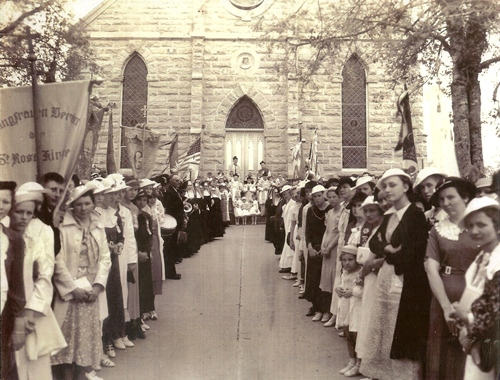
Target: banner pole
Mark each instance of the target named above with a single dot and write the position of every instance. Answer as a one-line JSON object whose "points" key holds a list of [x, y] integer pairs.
{"points": [[34, 89]]}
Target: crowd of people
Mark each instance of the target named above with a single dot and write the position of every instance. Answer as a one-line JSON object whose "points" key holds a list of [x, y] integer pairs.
{"points": [[82, 263], [406, 268]]}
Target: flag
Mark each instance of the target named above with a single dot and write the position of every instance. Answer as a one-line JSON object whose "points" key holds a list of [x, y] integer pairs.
{"points": [[142, 147], [173, 153], [110, 153], [313, 155], [406, 141], [63, 109], [190, 160], [297, 162]]}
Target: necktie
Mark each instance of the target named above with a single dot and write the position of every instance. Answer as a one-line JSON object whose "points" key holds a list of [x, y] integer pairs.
{"points": [[480, 276]]}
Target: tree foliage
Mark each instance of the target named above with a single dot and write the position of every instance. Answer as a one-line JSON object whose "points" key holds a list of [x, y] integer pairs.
{"points": [[61, 49], [415, 39]]}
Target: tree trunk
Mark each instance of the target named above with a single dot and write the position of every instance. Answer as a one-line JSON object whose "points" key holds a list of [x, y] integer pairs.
{"points": [[476, 141]]}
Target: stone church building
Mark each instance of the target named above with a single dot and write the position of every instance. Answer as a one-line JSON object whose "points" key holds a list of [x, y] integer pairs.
{"points": [[197, 66]]}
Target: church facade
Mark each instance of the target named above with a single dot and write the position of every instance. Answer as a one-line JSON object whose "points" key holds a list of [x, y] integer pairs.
{"points": [[196, 67]]}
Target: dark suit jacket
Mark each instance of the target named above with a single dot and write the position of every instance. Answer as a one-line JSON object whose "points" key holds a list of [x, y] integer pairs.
{"points": [[412, 324]]}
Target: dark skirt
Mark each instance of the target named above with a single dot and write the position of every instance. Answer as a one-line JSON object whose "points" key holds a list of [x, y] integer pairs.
{"points": [[114, 325], [313, 278], [146, 294]]}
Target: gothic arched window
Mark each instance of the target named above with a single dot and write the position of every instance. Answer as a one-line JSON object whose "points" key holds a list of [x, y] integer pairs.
{"points": [[134, 99], [244, 115], [354, 142]]}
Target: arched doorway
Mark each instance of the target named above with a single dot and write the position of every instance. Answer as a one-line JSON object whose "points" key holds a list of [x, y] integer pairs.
{"points": [[245, 137]]}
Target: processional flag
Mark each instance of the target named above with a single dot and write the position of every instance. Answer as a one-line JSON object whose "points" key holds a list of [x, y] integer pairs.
{"points": [[173, 153], [313, 155], [110, 151], [142, 146], [190, 160], [406, 141], [297, 161], [63, 109]]}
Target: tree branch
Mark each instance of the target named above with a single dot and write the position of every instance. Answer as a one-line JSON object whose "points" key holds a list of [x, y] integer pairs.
{"points": [[14, 24], [488, 63]]}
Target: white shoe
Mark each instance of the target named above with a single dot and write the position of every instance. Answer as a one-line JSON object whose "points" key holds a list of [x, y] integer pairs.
{"points": [[297, 283], [118, 344], [317, 317], [92, 376], [110, 351], [127, 342], [144, 326], [348, 368], [96, 367], [106, 362], [331, 322], [354, 371]]}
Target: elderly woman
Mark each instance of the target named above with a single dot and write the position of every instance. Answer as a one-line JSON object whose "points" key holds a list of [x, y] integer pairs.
{"points": [[81, 273], [12, 250], [33, 361], [400, 313], [450, 251]]}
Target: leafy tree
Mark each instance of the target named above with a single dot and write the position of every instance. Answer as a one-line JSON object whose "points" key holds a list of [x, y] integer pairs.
{"points": [[448, 37], [61, 48]]}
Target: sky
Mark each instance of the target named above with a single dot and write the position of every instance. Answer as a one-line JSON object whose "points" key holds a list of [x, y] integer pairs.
{"points": [[82, 7]]}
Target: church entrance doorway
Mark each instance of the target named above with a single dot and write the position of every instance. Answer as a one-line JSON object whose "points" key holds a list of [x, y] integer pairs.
{"points": [[244, 138]]}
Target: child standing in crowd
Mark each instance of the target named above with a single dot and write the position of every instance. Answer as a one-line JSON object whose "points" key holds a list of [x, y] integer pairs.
{"points": [[254, 210], [238, 212], [349, 304]]}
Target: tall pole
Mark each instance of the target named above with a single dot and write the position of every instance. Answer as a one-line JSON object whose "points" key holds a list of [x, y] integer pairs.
{"points": [[144, 137], [301, 168], [34, 90]]}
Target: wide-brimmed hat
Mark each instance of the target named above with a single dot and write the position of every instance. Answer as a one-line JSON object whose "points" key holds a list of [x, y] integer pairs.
{"points": [[369, 201], [484, 182], [425, 173], [358, 197], [478, 204], [318, 189], [79, 191], [285, 189], [457, 182], [364, 180], [349, 249], [346, 180], [392, 173], [100, 187], [132, 181], [146, 182], [30, 191]]}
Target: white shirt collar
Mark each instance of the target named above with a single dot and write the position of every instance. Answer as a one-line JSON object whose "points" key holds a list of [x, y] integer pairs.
{"points": [[399, 213], [494, 263]]}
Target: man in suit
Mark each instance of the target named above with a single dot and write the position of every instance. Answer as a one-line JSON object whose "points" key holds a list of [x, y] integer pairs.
{"points": [[234, 167], [174, 206]]}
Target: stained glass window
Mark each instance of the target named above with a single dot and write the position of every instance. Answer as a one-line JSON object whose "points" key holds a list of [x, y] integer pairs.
{"points": [[134, 100], [245, 115], [354, 115]]}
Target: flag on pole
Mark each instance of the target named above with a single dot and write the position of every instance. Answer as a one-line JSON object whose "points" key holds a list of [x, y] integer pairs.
{"points": [[313, 155], [142, 147], [173, 153], [190, 160], [110, 153], [63, 109], [406, 141], [297, 163]]}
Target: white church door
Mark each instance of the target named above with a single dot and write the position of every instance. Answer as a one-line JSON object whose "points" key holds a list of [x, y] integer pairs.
{"points": [[245, 138]]}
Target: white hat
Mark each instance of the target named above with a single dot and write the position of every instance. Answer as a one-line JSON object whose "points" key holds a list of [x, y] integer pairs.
{"points": [[318, 189], [79, 191], [370, 200], [363, 180], [99, 186], [301, 185], [285, 188], [477, 204], [30, 191], [391, 173], [116, 176], [145, 182], [351, 249], [484, 182], [110, 185], [426, 172]]}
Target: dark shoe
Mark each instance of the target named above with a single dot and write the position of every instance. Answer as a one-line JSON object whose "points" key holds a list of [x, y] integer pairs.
{"points": [[285, 270], [174, 277], [311, 312], [138, 330], [302, 296], [129, 328]]}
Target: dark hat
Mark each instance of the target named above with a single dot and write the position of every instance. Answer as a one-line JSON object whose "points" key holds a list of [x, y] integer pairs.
{"points": [[236, 175], [358, 197], [140, 194], [131, 181], [7, 185], [346, 180], [235, 158], [262, 162], [310, 184], [466, 187]]}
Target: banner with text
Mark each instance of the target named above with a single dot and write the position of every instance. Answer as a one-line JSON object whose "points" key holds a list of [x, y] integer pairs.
{"points": [[63, 113], [142, 147]]}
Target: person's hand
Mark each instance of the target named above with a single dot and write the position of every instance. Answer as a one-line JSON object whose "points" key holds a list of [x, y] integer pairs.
{"points": [[30, 315], [292, 245], [131, 266], [80, 295], [451, 322], [459, 313], [143, 256], [19, 334], [340, 291], [392, 250], [119, 248], [96, 289], [112, 247], [347, 293]]}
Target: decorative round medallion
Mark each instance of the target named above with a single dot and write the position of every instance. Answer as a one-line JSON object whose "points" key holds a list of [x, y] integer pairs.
{"points": [[246, 9], [245, 61], [246, 4], [245, 113]]}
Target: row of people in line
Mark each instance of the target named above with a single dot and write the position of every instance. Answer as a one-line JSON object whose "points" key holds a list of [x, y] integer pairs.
{"points": [[407, 269], [79, 284]]}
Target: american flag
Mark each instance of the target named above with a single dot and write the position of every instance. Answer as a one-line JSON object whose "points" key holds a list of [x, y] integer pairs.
{"points": [[191, 157]]}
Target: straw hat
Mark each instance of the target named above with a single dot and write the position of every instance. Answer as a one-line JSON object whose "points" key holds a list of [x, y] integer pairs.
{"points": [[391, 173], [99, 186], [484, 182], [478, 204], [79, 191], [318, 189], [364, 180], [285, 189], [30, 191], [349, 249], [369, 201], [425, 173]]}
